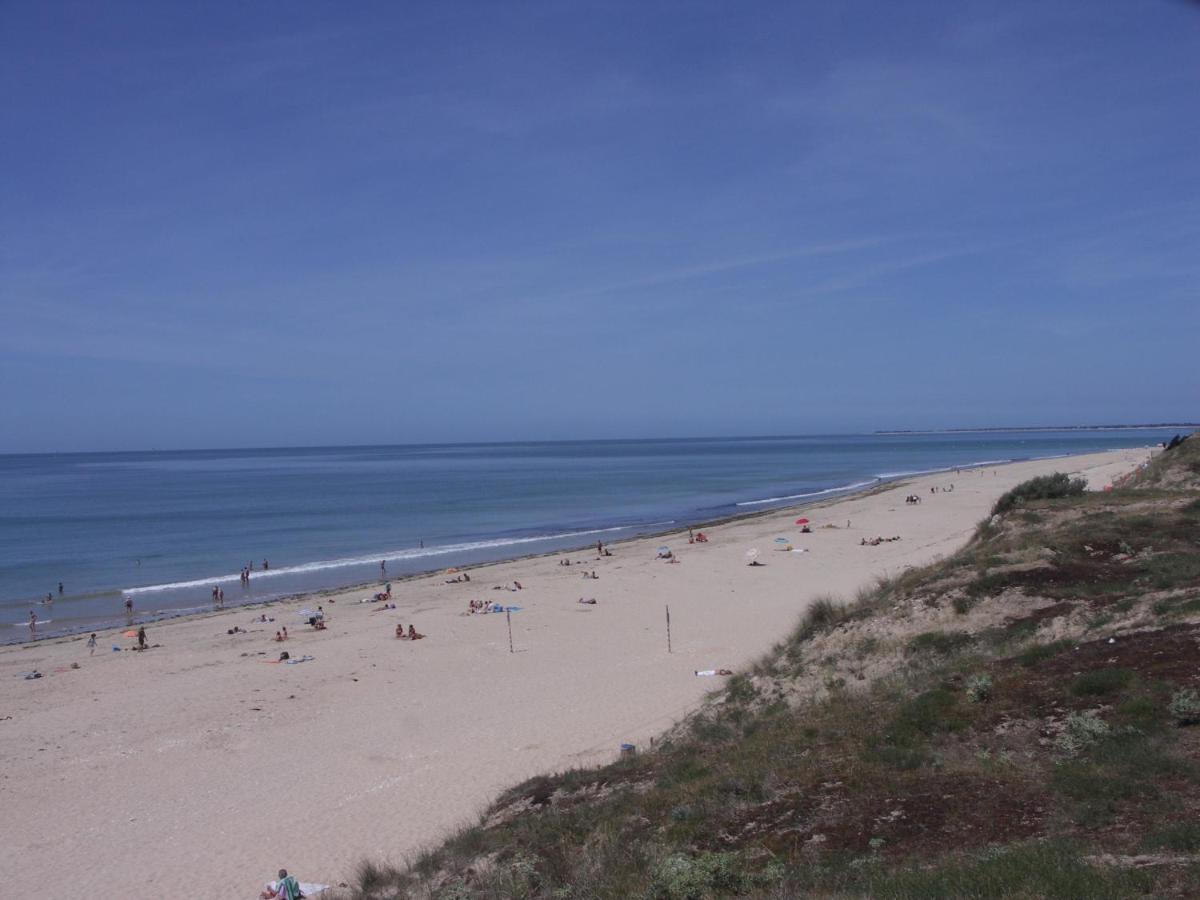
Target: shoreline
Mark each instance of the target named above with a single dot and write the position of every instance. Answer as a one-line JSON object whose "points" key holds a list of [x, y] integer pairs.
{"points": [[376, 747], [880, 482]]}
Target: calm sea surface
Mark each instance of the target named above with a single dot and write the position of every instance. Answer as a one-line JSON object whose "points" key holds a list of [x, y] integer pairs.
{"points": [[165, 528]]}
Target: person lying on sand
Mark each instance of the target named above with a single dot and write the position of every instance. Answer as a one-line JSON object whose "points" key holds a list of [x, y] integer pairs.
{"points": [[383, 595], [382, 608], [591, 602], [754, 562], [705, 672]]}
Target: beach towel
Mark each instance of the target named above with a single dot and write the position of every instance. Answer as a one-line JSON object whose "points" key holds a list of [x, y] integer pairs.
{"points": [[306, 888]]}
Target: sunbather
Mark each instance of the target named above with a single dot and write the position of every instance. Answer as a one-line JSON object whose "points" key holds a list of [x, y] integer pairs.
{"points": [[286, 888]]}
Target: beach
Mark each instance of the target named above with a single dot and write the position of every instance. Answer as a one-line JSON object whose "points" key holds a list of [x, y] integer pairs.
{"points": [[203, 762]]}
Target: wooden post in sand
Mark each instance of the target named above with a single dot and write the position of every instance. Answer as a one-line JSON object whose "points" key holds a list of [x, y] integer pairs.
{"points": [[668, 629], [508, 616]]}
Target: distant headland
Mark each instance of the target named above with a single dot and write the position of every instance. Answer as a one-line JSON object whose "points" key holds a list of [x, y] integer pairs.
{"points": [[1003, 428]]}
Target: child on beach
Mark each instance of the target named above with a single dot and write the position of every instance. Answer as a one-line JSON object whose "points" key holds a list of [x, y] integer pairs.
{"points": [[92, 644]]}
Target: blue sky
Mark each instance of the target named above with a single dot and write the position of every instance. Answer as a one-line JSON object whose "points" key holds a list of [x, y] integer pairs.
{"points": [[231, 224]]}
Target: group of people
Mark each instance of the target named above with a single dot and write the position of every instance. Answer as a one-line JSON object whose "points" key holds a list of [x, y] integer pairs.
{"points": [[913, 498], [413, 634], [218, 595], [459, 579], [592, 575], [483, 606], [698, 538]]}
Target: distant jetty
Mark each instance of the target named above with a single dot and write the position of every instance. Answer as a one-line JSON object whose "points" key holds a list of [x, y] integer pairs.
{"points": [[1010, 428]]}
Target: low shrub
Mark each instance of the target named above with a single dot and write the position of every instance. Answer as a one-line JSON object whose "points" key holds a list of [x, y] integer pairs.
{"points": [[1080, 732], [979, 688], [1185, 707], [1044, 487], [944, 642], [1035, 654], [1101, 682]]}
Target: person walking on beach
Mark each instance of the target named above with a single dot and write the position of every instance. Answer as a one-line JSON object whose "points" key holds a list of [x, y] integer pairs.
{"points": [[383, 566], [32, 620], [92, 644], [220, 597], [129, 606], [142, 638]]}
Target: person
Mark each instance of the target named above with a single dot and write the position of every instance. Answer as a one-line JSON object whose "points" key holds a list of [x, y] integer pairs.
{"points": [[266, 565], [220, 596], [92, 644], [413, 635], [400, 630], [286, 888], [32, 620], [49, 598], [128, 606], [60, 588], [142, 638], [285, 634], [518, 584], [278, 636], [383, 566]]}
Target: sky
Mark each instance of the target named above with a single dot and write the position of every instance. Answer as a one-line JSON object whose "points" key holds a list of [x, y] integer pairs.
{"points": [[295, 223]]}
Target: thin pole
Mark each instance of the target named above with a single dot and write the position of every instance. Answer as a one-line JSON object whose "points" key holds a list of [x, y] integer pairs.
{"points": [[668, 629], [508, 615]]}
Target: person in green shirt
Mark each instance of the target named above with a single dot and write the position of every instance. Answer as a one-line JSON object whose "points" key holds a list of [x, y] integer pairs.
{"points": [[286, 888]]}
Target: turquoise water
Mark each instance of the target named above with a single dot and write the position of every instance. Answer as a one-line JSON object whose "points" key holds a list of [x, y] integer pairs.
{"points": [[164, 528]]}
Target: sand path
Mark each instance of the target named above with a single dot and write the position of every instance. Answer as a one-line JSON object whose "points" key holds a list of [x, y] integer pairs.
{"points": [[198, 763]]}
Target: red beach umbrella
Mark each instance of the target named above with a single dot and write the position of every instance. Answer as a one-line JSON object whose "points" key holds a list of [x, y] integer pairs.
{"points": [[802, 521]]}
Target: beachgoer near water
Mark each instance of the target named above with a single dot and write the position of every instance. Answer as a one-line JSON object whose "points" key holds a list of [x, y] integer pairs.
{"points": [[60, 588], [266, 565], [141, 638], [220, 596], [32, 620], [92, 644], [286, 888], [383, 566], [129, 606]]}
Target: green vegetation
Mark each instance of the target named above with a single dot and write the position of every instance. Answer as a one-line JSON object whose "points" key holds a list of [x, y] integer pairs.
{"points": [[957, 769], [1044, 487]]}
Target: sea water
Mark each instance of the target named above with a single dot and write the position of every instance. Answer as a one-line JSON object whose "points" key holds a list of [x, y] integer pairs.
{"points": [[164, 528]]}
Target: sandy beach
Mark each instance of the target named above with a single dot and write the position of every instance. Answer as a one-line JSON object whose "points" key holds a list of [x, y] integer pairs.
{"points": [[202, 762]]}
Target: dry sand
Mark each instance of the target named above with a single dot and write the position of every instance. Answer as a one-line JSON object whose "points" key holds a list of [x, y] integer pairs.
{"points": [[199, 764]]}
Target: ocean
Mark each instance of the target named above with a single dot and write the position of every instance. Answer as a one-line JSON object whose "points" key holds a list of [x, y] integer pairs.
{"points": [[164, 528]]}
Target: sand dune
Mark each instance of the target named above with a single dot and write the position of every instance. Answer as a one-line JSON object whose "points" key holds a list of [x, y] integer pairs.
{"points": [[199, 762]]}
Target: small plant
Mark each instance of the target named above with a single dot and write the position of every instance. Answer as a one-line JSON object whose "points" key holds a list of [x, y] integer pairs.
{"points": [[1080, 732], [681, 877], [1185, 707], [1039, 652], [979, 688], [944, 642]]}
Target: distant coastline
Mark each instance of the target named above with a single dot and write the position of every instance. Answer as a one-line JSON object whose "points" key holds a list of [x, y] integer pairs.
{"points": [[1008, 428]]}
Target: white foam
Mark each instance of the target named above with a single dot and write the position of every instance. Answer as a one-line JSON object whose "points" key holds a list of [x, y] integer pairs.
{"points": [[835, 490], [412, 553]]}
